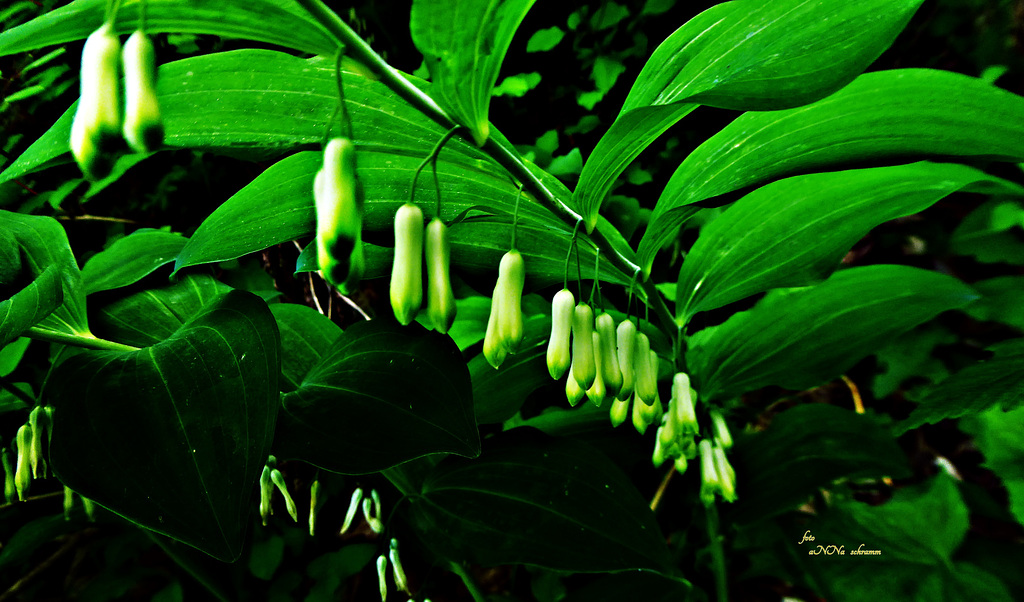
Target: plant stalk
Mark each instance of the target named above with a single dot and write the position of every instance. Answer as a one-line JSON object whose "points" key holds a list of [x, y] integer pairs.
{"points": [[89, 342]]}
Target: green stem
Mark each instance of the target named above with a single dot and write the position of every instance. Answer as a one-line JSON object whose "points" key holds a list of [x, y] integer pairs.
{"points": [[474, 591], [508, 158], [10, 388], [86, 342], [717, 554]]}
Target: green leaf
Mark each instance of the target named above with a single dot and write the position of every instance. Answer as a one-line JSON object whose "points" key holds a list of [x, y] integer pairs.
{"points": [[1001, 300], [36, 258], [986, 237], [745, 55], [384, 394], [517, 85], [805, 448], [634, 585], [306, 336], [545, 39], [173, 437], [146, 317], [996, 381], [498, 394], [11, 354], [801, 338], [275, 21], [910, 355], [608, 15], [464, 43], [916, 533], [534, 499], [130, 259], [880, 116], [795, 231], [999, 435]]}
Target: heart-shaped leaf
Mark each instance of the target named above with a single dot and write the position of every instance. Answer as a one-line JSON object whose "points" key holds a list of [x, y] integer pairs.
{"points": [[173, 437], [384, 394]]}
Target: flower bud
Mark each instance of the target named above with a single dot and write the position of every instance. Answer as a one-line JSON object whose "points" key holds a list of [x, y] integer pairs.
{"points": [[681, 407], [680, 465], [382, 581], [339, 221], [37, 421], [396, 565], [69, 502], [23, 474], [353, 507], [143, 129], [658, 456], [90, 509], [644, 415], [708, 473], [720, 430], [407, 269], [372, 517], [584, 366], [494, 351], [97, 124], [597, 392], [266, 491], [278, 479], [646, 377], [314, 500], [10, 488], [619, 411], [440, 299], [607, 356], [573, 391], [726, 475], [511, 278], [625, 348], [559, 350]]}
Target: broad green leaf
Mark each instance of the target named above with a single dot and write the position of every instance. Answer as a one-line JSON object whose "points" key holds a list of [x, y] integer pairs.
{"points": [[998, 381], [383, 394], [999, 436], [915, 534], [11, 354], [173, 437], [275, 21], [744, 55], [278, 207], [130, 259], [795, 231], [146, 317], [801, 338], [805, 448], [984, 235], [39, 278], [463, 44], [533, 499], [498, 394], [306, 336], [880, 116], [1001, 300]]}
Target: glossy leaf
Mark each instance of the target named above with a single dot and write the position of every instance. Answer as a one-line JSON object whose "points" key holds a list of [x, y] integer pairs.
{"points": [[746, 55], [998, 381], [173, 437], [498, 394], [880, 116], [999, 436], [534, 499], [130, 259], [306, 336], [275, 21], [463, 44], [805, 448], [795, 231], [149, 316], [801, 338], [383, 394], [39, 278]]}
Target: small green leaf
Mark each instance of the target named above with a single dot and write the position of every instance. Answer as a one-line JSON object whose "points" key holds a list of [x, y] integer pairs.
{"points": [[801, 338], [608, 15], [517, 86], [1001, 300], [187, 422], [999, 435], [130, 259], [384, 394], [545, 39], [534, 499], [981, 236]]}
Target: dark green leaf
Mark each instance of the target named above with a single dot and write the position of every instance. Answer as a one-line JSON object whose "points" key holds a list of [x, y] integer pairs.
{"points": [[986, 237], [1001, 300], [808, 447], [265, 556], [384, 394], [634, 585], [130, 259], [35, 257], [997, 381], [11, 354], [32, 535], [147, 317], [306, 336], [275, 21], [881, 116], [173, 437], [910, 355], [463, 44], [539, 500], [498, 394], [999, 435], [794, 232], [800, 338]]}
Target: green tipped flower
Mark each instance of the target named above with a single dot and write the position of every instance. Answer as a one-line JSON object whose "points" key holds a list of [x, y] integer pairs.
{"points": [[339, 216], [69, 502], [559, 355], [382, 576], [619, 411], [372, 512], [440, 299], [143, 128], [680, 464], [720, 429], [681, 406], [266, 492], [10, 488], [407, 269], [396, 567], [278, 479], [37, 420], [644, 415], [607, 355], [96, 128], [23, 472], [646, 373], [353, 507], [625, 349], [584, 366], [505, 323], [597, 391], [726, 475], [314, 502], [573, 391], [710, 482]]}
